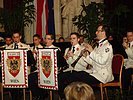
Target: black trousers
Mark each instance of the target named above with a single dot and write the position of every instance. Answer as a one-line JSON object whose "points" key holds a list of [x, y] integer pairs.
{"points": [[126, 77], [33, 86], [85, 77], [65, 78]]}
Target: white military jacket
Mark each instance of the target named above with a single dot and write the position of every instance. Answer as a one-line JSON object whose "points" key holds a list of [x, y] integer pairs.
{"points": [[34, 50], [4, 46], [20, 46], [35, 47], [128, 63], [81, 64], [52, 46], [101, 60]]}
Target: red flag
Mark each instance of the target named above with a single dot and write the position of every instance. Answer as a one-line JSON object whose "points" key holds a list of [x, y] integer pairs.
{"points": [[42, 17]]}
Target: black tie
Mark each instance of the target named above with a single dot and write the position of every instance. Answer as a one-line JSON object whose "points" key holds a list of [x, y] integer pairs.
{"points": [[73, 49], [16, 46], [35, 48], [129, 45], [97, 44]]}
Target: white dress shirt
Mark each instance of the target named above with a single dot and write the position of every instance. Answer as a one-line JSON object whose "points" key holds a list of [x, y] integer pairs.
{"points": [[20, 46]]}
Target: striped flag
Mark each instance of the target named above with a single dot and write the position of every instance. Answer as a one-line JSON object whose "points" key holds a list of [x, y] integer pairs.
{"points": [[44, 17]]}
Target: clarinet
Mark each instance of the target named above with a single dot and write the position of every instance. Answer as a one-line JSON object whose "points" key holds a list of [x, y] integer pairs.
{"points": [[92, 43], [81, 54], [67, 66]]}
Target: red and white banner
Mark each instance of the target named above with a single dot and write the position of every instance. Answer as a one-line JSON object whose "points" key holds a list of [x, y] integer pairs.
{"points": [[42, 17], [47, 65], [14, 68]]}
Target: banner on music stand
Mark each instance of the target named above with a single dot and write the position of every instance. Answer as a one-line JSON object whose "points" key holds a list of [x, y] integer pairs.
{"points": [[14, 68], [47, 65]]}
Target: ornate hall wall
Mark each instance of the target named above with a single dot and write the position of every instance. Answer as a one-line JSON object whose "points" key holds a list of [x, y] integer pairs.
{"points": [[63, 13]]}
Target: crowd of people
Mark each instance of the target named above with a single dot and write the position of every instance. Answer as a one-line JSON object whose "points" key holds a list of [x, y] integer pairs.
{"points": [[86, 65]]}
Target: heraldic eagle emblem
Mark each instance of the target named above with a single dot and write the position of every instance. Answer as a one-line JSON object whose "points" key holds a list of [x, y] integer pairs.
{"points": [[13, 64], [46, 63]]}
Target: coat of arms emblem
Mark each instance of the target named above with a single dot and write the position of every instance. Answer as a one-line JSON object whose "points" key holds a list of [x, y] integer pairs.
{"points": [[13, 63], [46, 63]]}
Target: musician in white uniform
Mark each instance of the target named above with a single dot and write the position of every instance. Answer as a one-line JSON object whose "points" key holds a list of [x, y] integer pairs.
{"points": [[128, 63], [34, 48], [82, 40], [37, 93], [17, 44], [36, 42], [71, 55], [49, 40], [129, 50], [8, 41], [100, 58]]}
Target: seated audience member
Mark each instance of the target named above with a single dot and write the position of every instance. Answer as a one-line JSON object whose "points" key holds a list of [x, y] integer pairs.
{"points": [[61, 39], [71, 55], [128, 63], [79, 91], [117, 46]]}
